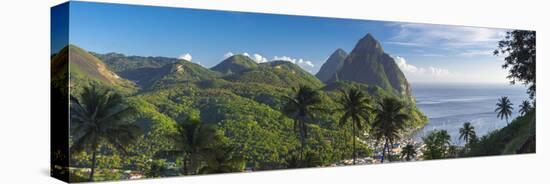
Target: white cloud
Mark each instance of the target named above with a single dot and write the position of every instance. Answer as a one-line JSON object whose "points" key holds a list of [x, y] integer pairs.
{"points": [[284, 58], [402, 63], [448, 36], [414, 71], [405, 44], [186, 56], [256, 57], [227, 55], [432, 55], [259, 58], [477, 53], [438, 71], [305, 62], [299, 61]]}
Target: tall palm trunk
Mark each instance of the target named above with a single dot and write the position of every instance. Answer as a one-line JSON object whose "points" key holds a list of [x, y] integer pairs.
{"points": [[304, 135], [384, 150], [185, 166], [302, 139], [344, 143], [353, 137], [389, 151], [93, 164]]}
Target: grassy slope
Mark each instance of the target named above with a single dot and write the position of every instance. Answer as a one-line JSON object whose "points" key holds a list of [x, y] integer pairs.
{"points": [[86, 68]]}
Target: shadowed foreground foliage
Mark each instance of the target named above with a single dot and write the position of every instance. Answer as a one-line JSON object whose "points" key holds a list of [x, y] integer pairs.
{"points": [[100, 118], [517, 137]]}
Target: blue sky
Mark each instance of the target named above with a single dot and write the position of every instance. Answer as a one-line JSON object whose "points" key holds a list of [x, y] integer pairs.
{"points": [[425, 53]]}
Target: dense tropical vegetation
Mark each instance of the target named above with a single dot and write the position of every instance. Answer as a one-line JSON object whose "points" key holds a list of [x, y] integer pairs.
{"points": [[134, 117], [438, 144], [520, 51], [191, 120], [408, 152], [301, 109], [524, 107]]}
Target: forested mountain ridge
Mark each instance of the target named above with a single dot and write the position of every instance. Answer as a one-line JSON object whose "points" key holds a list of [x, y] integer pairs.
{"points": [[277, 73], [265, 83], [119, 62]]}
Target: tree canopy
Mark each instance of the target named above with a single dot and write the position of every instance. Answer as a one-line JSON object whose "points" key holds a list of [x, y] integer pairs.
{"points": [[519, 49]]}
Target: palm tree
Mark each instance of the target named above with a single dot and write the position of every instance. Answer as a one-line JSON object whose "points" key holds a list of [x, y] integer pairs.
{"points": [[223, 159], [467, 132], [504, 108], [452, 151], [156, 169], [355, 107], [389, 122], [437, 144], [408, 152], [191, 139], [524, 107], [301, 107], [445, 141], [99, 117]]}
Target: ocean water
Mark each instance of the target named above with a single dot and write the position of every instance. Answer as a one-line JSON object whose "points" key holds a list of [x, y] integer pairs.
{"points": [[448, 106]]}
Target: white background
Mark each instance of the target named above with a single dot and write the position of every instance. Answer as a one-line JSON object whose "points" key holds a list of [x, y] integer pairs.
{"points": [[24, 90]]}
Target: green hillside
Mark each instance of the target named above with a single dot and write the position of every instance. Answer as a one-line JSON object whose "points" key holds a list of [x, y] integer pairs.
{"points": [[235, 64], [277, 73], [173, 74], [516, 137], [121, 63], [159, 72], [206, 92], [257, 126], [60, 68]]}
